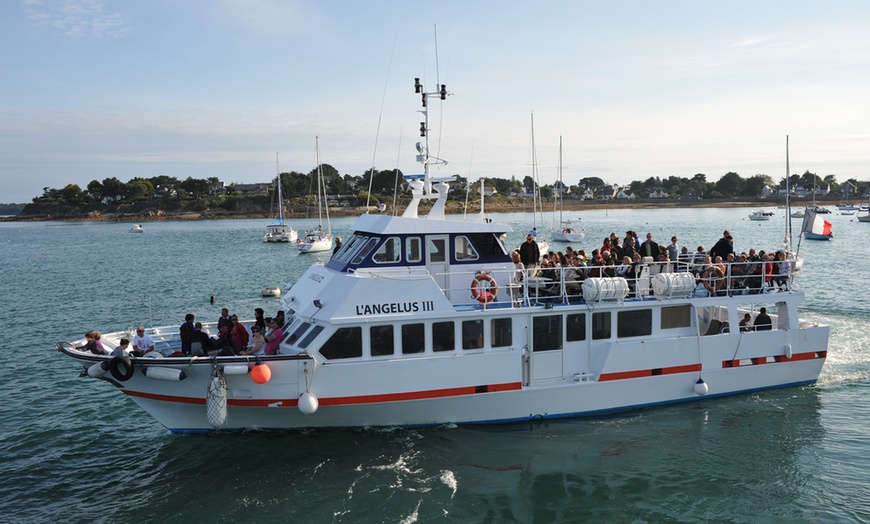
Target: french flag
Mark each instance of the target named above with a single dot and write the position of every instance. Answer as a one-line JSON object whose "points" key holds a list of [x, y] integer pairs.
{"points": [[815, 224]]}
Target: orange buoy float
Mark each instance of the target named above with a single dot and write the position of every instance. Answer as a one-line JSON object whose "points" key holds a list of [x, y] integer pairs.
{"points": [[261, 373], [487, 293]]}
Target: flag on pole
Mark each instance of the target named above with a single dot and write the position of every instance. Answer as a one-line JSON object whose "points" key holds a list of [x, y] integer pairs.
{"points": [[815, 224]]}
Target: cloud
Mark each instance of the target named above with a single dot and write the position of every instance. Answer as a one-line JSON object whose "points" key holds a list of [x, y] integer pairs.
{"points": [[78, 18]]}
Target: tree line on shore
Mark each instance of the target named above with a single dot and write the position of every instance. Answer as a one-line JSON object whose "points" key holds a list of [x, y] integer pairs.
{"points": [[166, 194]]}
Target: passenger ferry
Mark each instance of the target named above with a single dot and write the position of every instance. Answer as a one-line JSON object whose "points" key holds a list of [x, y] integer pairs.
{"points": [[423, 319]]}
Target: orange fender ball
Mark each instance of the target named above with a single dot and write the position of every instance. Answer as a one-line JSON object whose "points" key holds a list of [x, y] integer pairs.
{"points": [[261, 373]]}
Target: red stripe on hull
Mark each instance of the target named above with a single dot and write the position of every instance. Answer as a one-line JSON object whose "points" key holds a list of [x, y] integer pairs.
{"points": [[641, 373], [343, 401]]}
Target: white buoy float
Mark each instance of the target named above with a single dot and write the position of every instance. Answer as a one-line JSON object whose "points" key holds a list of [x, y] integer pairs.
{"points": [[308, 403], [271, 291], [701, 387], [168, 374], [216, 401], [235, 369], [98, 370]]}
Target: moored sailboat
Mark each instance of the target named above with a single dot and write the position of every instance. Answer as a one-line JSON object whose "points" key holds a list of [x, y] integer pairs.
{"points": [[565, 232], [279, 231], [316, 240]]}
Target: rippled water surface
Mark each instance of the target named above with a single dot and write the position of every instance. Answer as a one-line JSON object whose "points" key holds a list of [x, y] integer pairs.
{"points": [[74, 450]]}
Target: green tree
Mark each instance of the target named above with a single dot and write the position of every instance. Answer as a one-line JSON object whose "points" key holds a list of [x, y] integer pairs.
{"points": [[731, 184], [95, 190], [72, 194]]}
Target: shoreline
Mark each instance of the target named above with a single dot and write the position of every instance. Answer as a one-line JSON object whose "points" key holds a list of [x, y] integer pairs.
{"points": [[452, 208]]}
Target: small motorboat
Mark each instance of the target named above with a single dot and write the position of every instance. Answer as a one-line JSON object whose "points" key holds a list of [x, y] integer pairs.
{"points": [[137, 229], [271, 291]]}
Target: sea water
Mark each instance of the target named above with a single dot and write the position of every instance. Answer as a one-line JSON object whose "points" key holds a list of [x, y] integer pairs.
{"points": [[76, 450]]}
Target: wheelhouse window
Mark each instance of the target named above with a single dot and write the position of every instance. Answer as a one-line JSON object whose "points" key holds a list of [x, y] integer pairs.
{"points": [[601, 325], [502, 332], [310, 336], [389, 252], [437, 251], [472, 334], [344, 343], [381, 340], [465, 249], [634, 323], [575, 327], [676, 316], [547, 333], [293, 336], [365, 250], [350, 248], [414, 249], [443, 336]]}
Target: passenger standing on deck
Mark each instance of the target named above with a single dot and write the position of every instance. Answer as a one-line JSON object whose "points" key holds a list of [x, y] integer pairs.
{"points": [[224, 320], [674, 252], [186, 331], [762, 320], [530, 253], [649, 248], [723, 246], [259, 321], [239, 334]]}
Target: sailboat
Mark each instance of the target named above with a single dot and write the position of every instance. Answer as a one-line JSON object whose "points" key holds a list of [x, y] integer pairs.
{"points": [[845, 207], [278, 231], [543, 245], [316, 240], [565, 232]]}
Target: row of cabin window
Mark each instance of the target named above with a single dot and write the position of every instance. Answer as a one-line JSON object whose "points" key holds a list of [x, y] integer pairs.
{"points": [[390, 251], [548, 332]]}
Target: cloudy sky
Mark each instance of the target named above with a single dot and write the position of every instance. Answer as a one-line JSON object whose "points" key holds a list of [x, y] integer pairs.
{"points": [[109, 88]]}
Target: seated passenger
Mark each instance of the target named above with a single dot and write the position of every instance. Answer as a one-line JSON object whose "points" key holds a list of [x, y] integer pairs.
{"points": [[258, 343], [238, 334], [273, 339], [746, 323], [199, 342], [223, 344]]}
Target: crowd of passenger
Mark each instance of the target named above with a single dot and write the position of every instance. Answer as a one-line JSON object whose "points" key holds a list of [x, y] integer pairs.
{"points": [[232, 338], [718, 272]]}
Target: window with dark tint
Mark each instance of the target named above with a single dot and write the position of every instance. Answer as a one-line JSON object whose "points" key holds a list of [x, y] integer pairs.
{"points": [[487, 244], [413, 338], [600, 325], [443, 336], [381, 340], [344, 343], [575, 327], [502, 332], [472, 334], [298, 332], [635, 323], [547, 333], [437, 251], [310, 336], [414, 249], [676, 316]]}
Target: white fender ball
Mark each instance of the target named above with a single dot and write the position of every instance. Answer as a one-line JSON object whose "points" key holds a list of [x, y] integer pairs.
{"points": [[701, 387], [308, 403]]}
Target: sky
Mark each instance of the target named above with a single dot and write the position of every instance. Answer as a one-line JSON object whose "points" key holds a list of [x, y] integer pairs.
{"points": [[92, 89]]}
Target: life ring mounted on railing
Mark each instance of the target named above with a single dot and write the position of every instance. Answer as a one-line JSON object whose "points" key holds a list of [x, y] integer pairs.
{"points": [[484, 294], [714, 279]]}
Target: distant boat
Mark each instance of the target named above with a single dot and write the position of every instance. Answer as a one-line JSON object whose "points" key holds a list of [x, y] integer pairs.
{"points": [[816, 227], [137, 229], [271, 291], [798, 214], [759, 215], [565, 232], [316, 240], [278, 231]]}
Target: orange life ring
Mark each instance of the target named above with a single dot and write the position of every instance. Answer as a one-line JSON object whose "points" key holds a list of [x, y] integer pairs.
{"points": [[487, 294], [714, 279]]}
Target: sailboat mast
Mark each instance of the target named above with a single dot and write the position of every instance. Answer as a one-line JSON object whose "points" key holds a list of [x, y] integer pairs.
{"points": [[561, 185], [535, 187], [280, 195], [321, 183], [788, 230]]}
